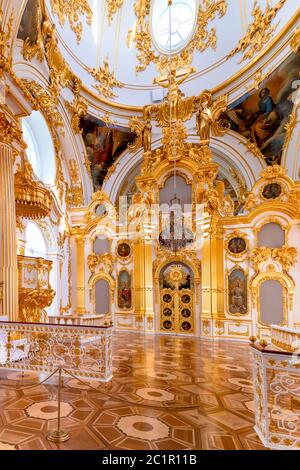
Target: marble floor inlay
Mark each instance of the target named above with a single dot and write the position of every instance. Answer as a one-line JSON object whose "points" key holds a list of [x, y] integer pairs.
{"points": [[167, 393]]}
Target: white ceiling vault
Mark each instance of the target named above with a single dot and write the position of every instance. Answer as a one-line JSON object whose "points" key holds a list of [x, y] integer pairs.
{"points": [[105, 38]]}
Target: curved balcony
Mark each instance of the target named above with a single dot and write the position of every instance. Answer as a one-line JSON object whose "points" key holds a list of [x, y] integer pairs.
{"points": [[33, 200]]}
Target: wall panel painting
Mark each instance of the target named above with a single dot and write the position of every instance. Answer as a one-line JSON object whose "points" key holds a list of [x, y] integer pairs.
{"points": [[261, 115], [104, 144], [124, 290], [29, 21], [237, 292]]}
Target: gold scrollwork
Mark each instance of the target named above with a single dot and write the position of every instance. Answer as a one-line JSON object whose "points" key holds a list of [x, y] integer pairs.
{"points": [[74, 194], [202, 39], [102, 262], [5, 36], [106, 80], [65, 9], [112, 7], [295, 42], [259, 31], [36, 49], [78, 108]]}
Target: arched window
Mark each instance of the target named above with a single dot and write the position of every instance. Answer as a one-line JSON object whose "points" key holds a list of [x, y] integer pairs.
{"points": [[40, 149], [35, 241]]}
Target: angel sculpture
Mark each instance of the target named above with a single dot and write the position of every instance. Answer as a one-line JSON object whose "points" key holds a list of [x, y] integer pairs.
{"points": [[143, 131], [208, 116]]}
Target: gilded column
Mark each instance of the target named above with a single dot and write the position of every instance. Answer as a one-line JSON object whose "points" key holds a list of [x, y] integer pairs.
{"points": [[8, 242], [80, 266], [213, 288], [143, 280]]}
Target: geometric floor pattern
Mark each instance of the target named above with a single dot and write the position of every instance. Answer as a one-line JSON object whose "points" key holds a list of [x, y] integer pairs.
{"points": [[168, 393]]}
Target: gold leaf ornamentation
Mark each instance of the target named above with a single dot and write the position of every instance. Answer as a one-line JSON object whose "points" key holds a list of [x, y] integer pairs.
{"points": [[290, 126], [259, 256], [77, 109], [273, 172], [254, 149], [286, 256], [112, 7], [74, 195], [5, 36], [259, 77], [103, 262], [259, 31], [71, 10], [8, 131], [44, 102], [295, 42], [209, 115], [61, 75], [36, 49], [202, 39], [106, 80]]}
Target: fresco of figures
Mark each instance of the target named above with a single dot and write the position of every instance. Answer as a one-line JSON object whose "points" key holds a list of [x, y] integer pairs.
{"points": [[237, 292], [261, 115], [104, 144], [124, 291]]}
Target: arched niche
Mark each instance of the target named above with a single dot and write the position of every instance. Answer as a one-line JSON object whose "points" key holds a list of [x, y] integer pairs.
{"points": [[271, 295], [271, 235], [270, 288], [102, 289], [101, 245], [102, 297], [176, 185]]}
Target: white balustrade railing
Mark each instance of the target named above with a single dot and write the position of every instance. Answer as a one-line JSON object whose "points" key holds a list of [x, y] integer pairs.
{"points": [[285, 338], [87, 320], [84, 351], [277, 398]]}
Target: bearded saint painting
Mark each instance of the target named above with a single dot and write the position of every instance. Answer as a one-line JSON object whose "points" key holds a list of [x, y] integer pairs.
{"points": [[262, 115], [237, 292]]}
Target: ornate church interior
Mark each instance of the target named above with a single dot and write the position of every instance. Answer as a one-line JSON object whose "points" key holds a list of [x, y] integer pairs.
{"points": [[149, 225]]}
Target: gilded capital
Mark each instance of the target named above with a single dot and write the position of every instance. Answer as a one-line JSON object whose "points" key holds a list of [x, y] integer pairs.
{"points": [[8, 131]]}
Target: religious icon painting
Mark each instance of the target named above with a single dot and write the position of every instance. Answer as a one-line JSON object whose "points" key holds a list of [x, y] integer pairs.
{"points": [[124, 290], [124, 250], [237, 244], [238, 292], [272, 191]]}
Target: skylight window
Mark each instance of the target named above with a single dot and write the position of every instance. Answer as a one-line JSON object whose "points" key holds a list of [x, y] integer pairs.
{"points": [[172, 27]]}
